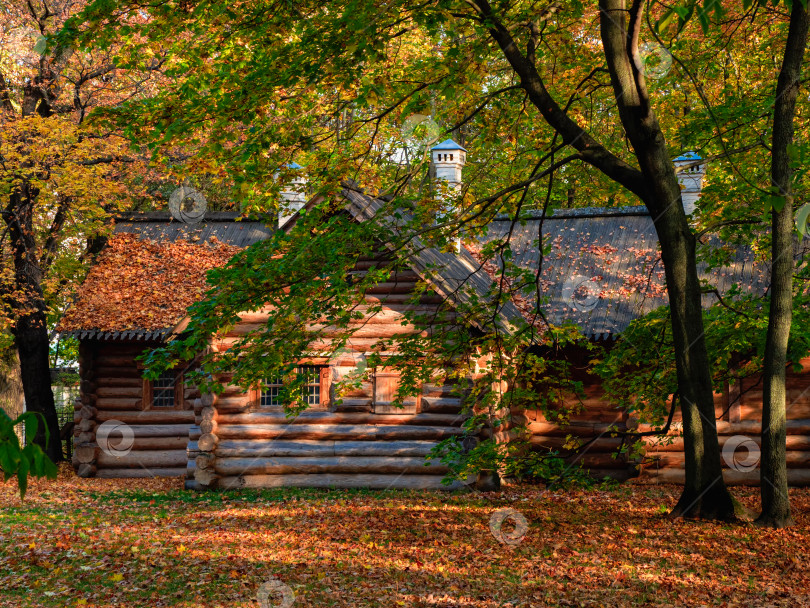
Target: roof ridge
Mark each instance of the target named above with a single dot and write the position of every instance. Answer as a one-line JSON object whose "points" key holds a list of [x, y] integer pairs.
{"points": [[165, 216], [579, 212]]}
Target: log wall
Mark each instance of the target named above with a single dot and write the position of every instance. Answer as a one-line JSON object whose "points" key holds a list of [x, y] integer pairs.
{"points": [[146, 442], [737, 411], [359, 439]]}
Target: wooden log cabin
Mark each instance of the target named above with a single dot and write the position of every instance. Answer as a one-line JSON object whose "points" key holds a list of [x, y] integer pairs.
{"points": [[139, 289], [152, 269], [244, 439]]}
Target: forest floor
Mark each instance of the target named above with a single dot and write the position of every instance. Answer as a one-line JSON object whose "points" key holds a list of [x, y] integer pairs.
{"points": [[144, 543]]}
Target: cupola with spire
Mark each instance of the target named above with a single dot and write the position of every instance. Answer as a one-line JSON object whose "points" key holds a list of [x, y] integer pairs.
{"points": [[448, 159], [690, 172]]}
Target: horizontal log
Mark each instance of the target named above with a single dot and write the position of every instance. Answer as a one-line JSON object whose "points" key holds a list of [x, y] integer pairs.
{"points": [[795, 459], [580, 429], [82, 437], [116, 361], [205, 477], [325, 464], [315, 417], [443, 391], [87, 411], [85, 425], [604, 460], [144, 459], [115, 382], [207, 442], [253, 449], [208, 426], [149, 416], [750, 427], [793, 442], [387, 288], [86, 470], [796, 477], [139, 473], [85, 454], [353, 406], [616, 474], [403, 298], [334, 480], [179, 442], [118, 372], [235, 403], [160, 430], [602, 444], [194, 432], [119, 404], [440, 404], [205, 460], [120, 391], [337, 431]]}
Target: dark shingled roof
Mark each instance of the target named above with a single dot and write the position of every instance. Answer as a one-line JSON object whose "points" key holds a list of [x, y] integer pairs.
{"points": [[602, 270], [160, 226]]}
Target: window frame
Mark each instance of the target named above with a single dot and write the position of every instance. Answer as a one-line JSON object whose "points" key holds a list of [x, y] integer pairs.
{"points": [[324, 387], [179, 394]]}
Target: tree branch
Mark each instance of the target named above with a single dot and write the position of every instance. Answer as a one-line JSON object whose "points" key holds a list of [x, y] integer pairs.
{"points": [[572, 134]]}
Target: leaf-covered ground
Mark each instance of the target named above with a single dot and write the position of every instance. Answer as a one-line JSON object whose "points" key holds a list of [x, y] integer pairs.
{"points": [[134, 543]]}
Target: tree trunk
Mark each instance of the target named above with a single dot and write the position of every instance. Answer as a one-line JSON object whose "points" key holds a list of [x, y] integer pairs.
{"points": [[705, 493], [31, 335], [30, 329], [12, 400], [773, 471]]}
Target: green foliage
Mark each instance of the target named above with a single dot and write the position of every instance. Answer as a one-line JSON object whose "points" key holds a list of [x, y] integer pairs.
{"points": [[19, 461], [639, 372]]}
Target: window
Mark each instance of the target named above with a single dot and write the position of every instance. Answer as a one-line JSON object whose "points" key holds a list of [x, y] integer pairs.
{"points": [[164, 392], [314, 392]]}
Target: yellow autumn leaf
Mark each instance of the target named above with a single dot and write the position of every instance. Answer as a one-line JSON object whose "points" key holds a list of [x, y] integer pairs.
{"points": [[117, 577]]}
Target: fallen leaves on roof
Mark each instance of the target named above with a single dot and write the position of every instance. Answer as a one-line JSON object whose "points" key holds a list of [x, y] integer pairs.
{"points": [[144, 285]]}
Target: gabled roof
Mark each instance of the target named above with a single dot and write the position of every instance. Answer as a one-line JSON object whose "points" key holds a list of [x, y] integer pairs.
{"points": [[603, 269], [151, 271], [161, 227], [457, 277]]}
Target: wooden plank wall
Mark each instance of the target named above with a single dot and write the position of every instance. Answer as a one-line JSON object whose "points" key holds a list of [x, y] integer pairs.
{"points": [[737, 412], [237, 443], [112, 390]]}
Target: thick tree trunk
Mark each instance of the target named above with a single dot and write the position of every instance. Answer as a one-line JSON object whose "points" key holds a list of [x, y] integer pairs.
{"points": [[31, 336], [773, 471], [30, 329], [705, 493]]}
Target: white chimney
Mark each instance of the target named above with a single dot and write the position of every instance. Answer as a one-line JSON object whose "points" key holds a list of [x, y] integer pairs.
{"points": [[448, 159], [293, 196], [690, 172]]}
